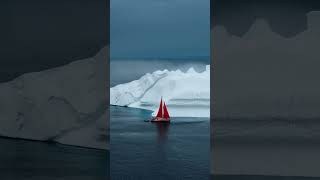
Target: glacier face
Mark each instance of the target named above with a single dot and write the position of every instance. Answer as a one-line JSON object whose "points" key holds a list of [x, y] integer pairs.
{"points": [[187, 94], [67, 104]]}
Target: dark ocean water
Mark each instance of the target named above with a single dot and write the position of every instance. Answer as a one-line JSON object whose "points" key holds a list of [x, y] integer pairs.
{"points": [[31, 160], [257, 177], [265, 149], [152, 151]]}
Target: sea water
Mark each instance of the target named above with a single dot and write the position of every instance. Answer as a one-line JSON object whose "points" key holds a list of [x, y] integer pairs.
{"points": [[33, 160], [266, 148], [157, 151]]}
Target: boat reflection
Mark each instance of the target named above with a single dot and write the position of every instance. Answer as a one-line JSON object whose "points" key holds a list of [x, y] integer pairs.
{"points": [[163, 130]]}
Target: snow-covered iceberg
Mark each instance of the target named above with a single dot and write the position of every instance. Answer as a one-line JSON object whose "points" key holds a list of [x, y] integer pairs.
{"points": [[187, 94], [67, 104]]}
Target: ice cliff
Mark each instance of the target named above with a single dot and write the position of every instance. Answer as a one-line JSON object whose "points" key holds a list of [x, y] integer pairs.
{"points": [[67, 104], [187, 94]]}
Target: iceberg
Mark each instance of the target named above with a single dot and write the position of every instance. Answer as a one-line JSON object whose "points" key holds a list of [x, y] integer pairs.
{"points": [[187, 94], [67, 104]]}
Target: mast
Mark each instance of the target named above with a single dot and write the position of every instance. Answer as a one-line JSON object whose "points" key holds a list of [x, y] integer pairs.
{"points": [[162, 108]]}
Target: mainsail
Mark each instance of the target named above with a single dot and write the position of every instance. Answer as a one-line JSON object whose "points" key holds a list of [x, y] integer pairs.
{"points": [[163, 111], [159, 115]]}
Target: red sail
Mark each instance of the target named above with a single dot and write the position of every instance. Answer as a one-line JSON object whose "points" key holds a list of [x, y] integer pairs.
{"points": [[165, 113], [160, 110]]}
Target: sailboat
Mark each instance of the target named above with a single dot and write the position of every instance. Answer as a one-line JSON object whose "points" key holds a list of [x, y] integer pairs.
{"points": [[163, 114]]}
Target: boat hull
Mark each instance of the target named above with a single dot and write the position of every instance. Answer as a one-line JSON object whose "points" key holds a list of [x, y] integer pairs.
{"points": [[160, 120]]}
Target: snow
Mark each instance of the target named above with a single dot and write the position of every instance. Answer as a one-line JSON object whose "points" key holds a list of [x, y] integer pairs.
{"points": [[187, 94], [67, 104]]}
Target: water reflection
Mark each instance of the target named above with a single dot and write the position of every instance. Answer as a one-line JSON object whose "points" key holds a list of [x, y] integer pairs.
{"points": [[162, 129]]}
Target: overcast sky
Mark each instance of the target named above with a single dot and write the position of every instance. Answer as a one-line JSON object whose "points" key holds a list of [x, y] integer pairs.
{"points": [[36, 35], [286, 17], [160, 28]]}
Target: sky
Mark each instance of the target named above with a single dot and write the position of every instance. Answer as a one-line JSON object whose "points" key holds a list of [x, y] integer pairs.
{"points": [[159, 28], [37, 35], [286, 17]]}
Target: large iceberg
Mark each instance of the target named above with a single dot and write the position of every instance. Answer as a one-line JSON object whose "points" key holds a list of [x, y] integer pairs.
{"points": [[187, 94], [67, 104]]}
